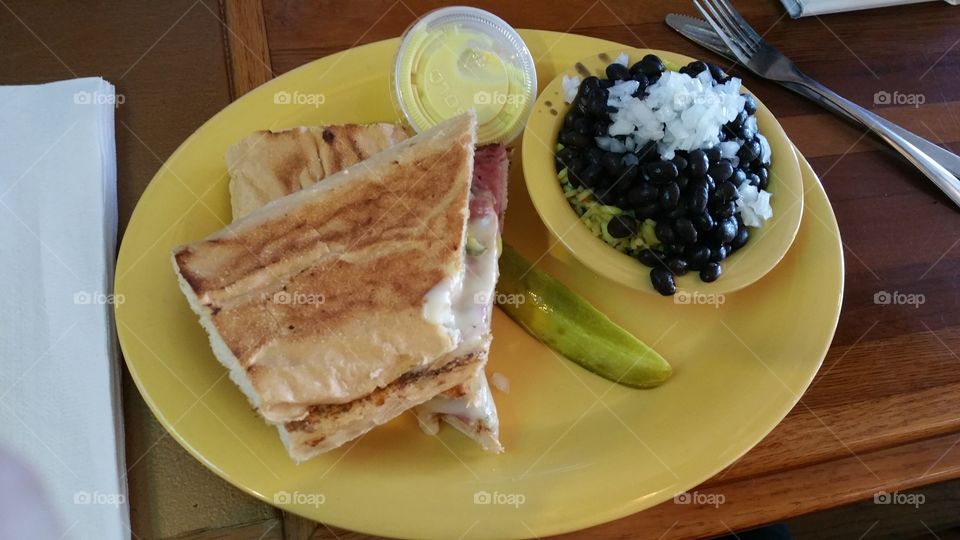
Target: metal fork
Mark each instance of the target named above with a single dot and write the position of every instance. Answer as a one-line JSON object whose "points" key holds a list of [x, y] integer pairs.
{"points": [[765, 60]]}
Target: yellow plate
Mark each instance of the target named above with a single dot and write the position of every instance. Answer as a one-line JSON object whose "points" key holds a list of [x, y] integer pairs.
{"points": [[580, 450], [767, 246]]}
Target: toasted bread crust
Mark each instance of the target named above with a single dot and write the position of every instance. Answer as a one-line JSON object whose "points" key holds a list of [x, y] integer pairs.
{"points": [[329, 426], [319, 296], [268, 165]]}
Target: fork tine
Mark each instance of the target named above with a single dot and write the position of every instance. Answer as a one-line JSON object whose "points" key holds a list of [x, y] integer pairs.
{"points": [[735, 28], [721, 28], [751, 34]]}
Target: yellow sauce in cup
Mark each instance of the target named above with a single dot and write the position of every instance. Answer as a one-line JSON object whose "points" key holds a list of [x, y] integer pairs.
{"points": [[455, 59]]}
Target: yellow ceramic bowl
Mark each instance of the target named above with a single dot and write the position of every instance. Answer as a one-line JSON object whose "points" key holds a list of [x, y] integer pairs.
{"points": [[767, 246]]}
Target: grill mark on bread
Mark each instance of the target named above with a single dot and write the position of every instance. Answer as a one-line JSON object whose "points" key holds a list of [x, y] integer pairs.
{"points": [[329, 412]]}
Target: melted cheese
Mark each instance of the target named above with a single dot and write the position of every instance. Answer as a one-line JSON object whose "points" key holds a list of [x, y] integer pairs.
{"points": [[463, 303]]}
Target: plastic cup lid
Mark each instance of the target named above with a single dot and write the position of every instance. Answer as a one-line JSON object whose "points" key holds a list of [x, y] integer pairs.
{"points": [[459, 58]]}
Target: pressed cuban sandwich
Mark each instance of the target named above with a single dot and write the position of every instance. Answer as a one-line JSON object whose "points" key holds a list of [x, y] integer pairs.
{"points": [[268, 165], [341, 305]]}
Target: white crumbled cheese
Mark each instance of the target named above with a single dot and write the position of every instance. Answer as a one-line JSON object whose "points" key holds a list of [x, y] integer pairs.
{"points": [[754, 205], [571, 85], [500, 382], [621, 59]]}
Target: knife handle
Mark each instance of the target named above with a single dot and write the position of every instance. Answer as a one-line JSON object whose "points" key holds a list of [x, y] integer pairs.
{"points": [[944, 157], [937, 173]]}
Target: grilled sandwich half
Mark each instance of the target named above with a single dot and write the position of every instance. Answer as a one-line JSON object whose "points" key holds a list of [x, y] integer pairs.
{"points": [[341, 305], [268, 165]]}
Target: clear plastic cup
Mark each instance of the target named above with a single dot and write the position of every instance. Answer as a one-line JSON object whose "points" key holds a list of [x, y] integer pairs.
{"points": [[459, 58]]}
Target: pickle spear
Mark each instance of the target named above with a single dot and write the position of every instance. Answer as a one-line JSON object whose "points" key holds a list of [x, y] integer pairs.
{"points": [[570, 325]]}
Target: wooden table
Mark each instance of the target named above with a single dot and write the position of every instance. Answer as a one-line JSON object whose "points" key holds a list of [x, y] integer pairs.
{"points": [[884, 412]]}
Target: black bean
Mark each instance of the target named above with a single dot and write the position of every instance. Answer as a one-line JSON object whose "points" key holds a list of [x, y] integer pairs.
{"points": [[647, 211], [640, 78], [601, 128], [750, 106], [651, 258], [749, 151], [753, 179], [703, 222], [597, 105], [683, 180], [716, 72], [764, 183], [630, 174], [669, 196], [651, 66], [762, 172], [697, 202], [741, 239], [719, 253], [710, 272], [648, 151], [612, 163], [577, 140], [642, 194], [570, 118], [606, 83], [726, 210], [662, 280], [714, 154], [665, 233], [618, 72], [699, 164], [685, 230], [583, 126], [727, 230], [739, 177], [746, 133], [739, 121], [661, 171], [678, 266], [722, 170], [727, 191], [594, 155], [697, 256], [590, 84], [590, 175], [677, 212], [622, 226], [680, 162], [710, 182]]}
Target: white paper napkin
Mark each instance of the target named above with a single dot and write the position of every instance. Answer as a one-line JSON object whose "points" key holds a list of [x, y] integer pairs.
{"points": [[804, 8], [59, 378]]}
